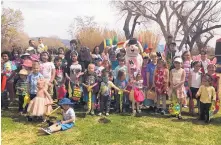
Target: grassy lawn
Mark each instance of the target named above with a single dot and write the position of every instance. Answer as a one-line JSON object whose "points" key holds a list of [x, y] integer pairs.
{"points": [[148, 129], [125, 130]]}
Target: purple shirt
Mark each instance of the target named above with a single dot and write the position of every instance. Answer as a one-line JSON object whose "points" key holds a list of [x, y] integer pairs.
{"points": [[144, 75]]}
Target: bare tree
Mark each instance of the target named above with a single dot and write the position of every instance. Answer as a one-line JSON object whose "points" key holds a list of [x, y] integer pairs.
{"points": [[174, 17]]}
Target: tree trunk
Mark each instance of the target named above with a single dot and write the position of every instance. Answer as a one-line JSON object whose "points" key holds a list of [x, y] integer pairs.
{"points": [[134, 25], [126, 25]]}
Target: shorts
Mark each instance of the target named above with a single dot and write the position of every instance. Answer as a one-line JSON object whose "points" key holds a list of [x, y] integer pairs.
{"points": [[93, 97], [66, 126]]}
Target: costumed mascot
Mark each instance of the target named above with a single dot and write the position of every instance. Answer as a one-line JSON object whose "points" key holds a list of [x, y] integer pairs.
{"points": [[133, 55]]}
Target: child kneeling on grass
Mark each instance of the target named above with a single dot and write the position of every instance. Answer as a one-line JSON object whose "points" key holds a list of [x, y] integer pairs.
{"points": [[68, 118]]}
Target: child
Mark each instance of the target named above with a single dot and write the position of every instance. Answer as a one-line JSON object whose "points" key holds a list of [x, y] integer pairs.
{"points": [[33, 78], [161, 79], [194, 82], [211, 71], [122, 67], [105, 93], [98, 67], [68, 118], [59, 75], [207, 96], [121, 82], [27, 64], [177, 79], [150, 72], [84, 57], [47, 69], [106, 64], [41, 104], [9, 69], [187, 67], [89, 80], [22, 88], [62, 56], [73, 72], [205, 61], [113, 57], [144, 69], [137, 95]]}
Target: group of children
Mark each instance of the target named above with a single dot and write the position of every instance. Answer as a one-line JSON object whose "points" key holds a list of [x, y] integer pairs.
{"points": [[105, 79]]}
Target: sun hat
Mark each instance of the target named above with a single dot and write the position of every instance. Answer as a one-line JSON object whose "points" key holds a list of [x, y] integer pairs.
{"points": [[27, 63], [65, 101], [25, 54], [178, 59], [23, 72]]}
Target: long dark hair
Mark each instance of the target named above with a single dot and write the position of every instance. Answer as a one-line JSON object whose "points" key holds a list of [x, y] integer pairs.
{"points": [[93, 52]]}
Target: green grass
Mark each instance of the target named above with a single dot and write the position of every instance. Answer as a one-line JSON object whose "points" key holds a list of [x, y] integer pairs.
{"points": [[147, 129]]}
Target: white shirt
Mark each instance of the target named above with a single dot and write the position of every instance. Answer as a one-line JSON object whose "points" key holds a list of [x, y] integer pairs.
{"points": [[196, 79], [205, 64], [46, 69], [75, 69], [69, 114], [98, 70]]}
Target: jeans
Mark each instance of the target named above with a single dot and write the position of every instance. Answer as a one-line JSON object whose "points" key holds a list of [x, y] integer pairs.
{"points": [[204, 111], [105, 102], [21, 102]]}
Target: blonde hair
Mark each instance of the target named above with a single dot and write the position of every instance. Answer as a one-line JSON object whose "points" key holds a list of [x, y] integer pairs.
{"points": [[153, 54]]}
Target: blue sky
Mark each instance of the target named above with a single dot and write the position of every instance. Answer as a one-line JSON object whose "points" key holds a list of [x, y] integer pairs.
{"points": [[52, 17]]}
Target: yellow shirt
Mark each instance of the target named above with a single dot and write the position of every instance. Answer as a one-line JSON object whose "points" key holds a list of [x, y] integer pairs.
{"points": [[207, 94]]}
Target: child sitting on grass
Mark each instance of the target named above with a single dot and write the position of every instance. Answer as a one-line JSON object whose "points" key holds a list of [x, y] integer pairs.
{"points": [[68, 118]]}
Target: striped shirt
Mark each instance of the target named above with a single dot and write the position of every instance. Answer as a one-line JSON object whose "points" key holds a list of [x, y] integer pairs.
{"points": [[21, 84]]}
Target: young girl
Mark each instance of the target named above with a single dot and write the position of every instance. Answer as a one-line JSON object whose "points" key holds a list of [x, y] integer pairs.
{"points": [[9, 69], [59, 76], [121, 82], [121, 66], [187, 67], [105, 93], [205, 62], [98, 67], [207, 96], [177, 79], [194, 82], [62, 56], [22, 88], [47, 69], [68, 118], [32, 79], [89, 80], [211, 71], [41, 104], [136, 95], [150, 72], [73, 72], [106, 64], [161, 79], [144, 70]]}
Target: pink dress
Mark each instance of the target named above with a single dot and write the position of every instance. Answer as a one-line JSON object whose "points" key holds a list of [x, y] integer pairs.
{"points": [[177, 75], [37, 106], [160, 81]]}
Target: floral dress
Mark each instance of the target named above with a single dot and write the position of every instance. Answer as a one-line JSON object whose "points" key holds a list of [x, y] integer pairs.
{"points": [[160, 81]]}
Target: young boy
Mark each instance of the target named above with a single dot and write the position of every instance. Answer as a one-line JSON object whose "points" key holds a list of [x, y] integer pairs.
{"points": [[22, 88], [68, 118], [89, 81], [105, 92]]}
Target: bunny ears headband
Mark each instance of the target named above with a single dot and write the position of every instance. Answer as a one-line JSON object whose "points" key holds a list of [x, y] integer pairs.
{"points": [[198, 58]]}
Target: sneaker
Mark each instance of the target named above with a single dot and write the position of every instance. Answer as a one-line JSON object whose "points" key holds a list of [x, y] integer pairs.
{"points": [[139, 111], [185, 106], [92, 112], [162, 112], [46, 130], [179, 116], [99, 114], [29, 118], [134, 111], [107, 114]]}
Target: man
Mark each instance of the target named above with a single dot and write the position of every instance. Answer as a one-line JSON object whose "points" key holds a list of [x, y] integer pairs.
{"points": [[40, 46], [32, 44]]}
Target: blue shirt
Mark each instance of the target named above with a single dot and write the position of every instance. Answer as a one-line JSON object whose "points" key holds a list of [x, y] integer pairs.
{"points": [[32, 81], [150, 68], [114, 64], [121, 84]]}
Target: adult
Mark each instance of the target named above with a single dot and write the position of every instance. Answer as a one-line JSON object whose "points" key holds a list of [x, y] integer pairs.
{"points": [[84, 57], [73, 46], [40, 46], [96, 54], [32, 44]]}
